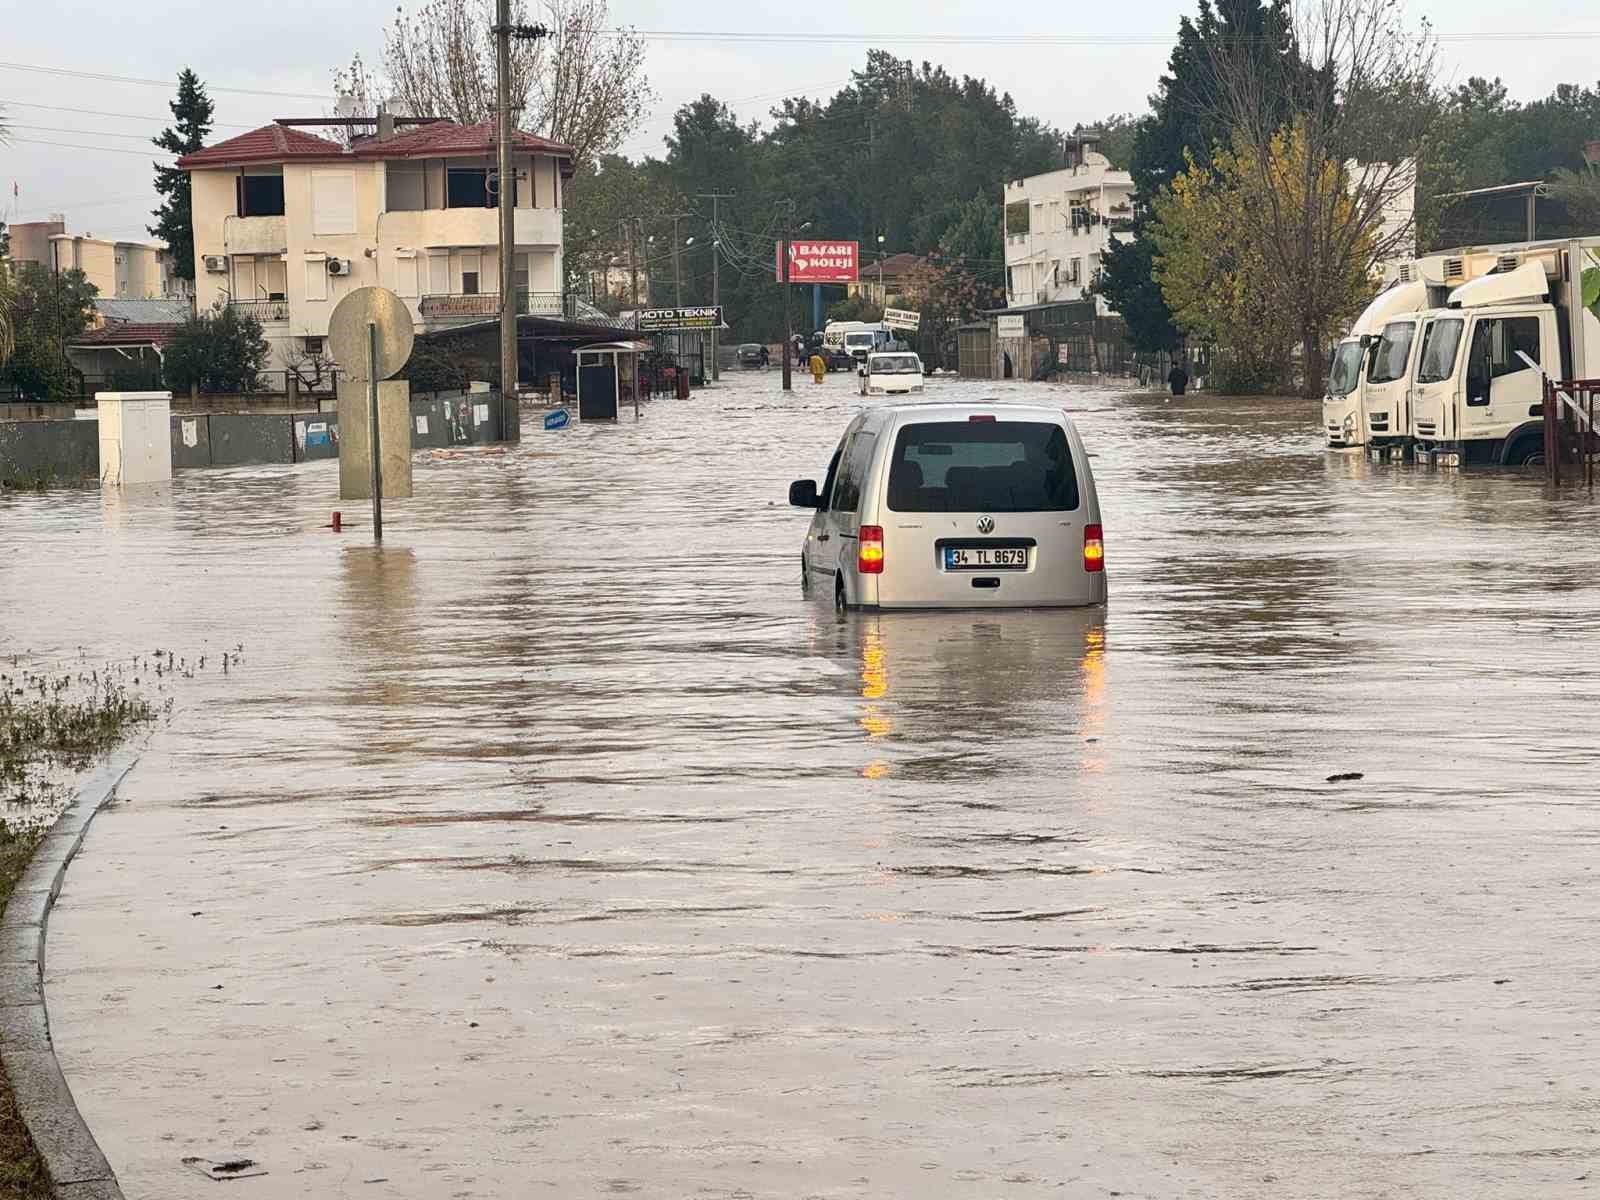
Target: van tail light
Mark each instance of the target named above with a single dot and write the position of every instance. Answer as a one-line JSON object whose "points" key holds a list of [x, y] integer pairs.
{"points": [[1094, 548], [869, 550], [982, 417]]}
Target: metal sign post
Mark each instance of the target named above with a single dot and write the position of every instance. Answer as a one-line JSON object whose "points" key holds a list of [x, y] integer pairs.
{"points": [[371, 332], [372, 429]]}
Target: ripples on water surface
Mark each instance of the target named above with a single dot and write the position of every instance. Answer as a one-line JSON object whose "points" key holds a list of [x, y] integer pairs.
{"points": [[561, 847]]}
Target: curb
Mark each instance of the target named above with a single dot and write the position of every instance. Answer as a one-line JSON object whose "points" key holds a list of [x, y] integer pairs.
{"points": [[78, 1170]]}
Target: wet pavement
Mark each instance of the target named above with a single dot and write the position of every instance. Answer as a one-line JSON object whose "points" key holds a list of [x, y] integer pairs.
{"points": [[562, 847]]}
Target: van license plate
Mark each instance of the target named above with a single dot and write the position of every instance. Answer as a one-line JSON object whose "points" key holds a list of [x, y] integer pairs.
{"points": [[985, 560]]}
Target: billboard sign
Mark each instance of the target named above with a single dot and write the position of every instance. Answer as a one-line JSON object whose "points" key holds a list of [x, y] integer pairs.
{"points": [[661, 320], [901, 318], [820, 262], [1012, 325]]}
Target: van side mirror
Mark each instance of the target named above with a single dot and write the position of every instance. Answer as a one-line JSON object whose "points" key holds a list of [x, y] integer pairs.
{"points": [[803, 493]]}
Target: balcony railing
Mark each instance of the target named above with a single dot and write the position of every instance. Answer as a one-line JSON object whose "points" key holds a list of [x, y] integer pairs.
{"points": [[487, 304], [264, 311]]}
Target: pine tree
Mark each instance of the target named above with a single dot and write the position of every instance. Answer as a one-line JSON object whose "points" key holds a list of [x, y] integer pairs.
{"points": [[175, 217]]}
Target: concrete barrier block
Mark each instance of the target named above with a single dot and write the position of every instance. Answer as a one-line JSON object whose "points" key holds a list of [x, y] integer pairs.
{"points": [[191, 440]]}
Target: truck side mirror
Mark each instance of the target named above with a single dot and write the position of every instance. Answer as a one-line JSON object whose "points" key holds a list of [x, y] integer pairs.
{"points": [[803, 493]]}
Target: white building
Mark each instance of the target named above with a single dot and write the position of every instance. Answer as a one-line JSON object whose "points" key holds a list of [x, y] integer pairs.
{"points": [[287, 223], [1058, 225]]}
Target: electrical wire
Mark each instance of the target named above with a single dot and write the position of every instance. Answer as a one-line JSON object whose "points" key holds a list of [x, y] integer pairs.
{"points": [[901, 37], [161, 83], [97, 112], [103, 149]]}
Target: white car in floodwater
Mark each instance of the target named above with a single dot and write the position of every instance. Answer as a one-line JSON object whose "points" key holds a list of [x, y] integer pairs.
{"points": [[893, 373], [957, 505]]}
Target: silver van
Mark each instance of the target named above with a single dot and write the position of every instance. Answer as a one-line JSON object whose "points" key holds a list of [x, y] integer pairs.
{"points": [[958, 505]]}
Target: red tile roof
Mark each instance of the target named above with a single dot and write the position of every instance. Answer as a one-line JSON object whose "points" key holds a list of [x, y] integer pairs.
{"points": [[269, 144], [442, 138], [126, 333], [284, 143]]}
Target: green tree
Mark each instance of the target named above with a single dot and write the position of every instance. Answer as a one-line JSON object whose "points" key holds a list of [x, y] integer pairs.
{"points": [[8, 331], [1189, 118], [192, 111], [48, 310], [219, 350]]}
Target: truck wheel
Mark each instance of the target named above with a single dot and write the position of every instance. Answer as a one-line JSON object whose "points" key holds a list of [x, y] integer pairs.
{"points": [[1525, 452]]}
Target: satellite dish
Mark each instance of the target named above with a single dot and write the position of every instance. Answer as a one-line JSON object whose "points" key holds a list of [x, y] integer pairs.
{"points": [[347, 106]]}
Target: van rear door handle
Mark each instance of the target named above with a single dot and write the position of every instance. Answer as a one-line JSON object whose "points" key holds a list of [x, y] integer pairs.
{"points": [[822, 537]]}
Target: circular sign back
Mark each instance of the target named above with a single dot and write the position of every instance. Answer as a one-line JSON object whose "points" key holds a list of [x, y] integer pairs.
{"points": [[347, 332]]}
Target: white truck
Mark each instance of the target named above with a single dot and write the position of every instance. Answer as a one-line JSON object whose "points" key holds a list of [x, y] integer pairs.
{"points": [[857, 338], [1474, 398], [1345, 407]]}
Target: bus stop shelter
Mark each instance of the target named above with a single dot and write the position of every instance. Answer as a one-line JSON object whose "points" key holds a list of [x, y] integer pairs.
{"points": [[608, 379]]}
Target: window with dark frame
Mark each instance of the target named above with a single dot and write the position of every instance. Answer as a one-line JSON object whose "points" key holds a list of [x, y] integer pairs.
{"points": [[260, 195]]}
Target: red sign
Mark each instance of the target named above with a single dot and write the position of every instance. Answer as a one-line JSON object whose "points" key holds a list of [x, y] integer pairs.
{"points": [[820, 262]]}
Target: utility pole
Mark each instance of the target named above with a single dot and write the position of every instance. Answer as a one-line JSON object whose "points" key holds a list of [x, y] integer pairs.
{"points": [[788, 327], [506, 200], [677, 272], [716, 281], [633, 263]]}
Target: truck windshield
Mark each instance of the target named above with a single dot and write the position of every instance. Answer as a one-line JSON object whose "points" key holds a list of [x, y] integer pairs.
{"points": [[896, 364], [982, 466], [1439, 347], [1346, 369], [858, 341], [1393, 353]]}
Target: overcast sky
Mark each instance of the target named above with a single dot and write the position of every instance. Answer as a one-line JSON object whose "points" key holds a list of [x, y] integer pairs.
{"points": [[98, 173]]}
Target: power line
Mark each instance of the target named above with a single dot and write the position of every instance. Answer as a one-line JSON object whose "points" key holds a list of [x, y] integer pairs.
{"points": [[96, 112], [137, 137], [812, 37], [103, 149], [161, 83]]}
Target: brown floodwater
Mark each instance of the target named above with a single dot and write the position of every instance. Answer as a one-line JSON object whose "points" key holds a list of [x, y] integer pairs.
{"points": [[563, 847]]}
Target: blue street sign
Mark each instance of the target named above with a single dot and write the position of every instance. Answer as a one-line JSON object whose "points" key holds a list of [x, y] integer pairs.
{"points": [[557, 419]]}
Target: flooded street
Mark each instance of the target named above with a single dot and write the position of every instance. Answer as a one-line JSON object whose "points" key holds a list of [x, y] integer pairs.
{"points": [[563, 847]]}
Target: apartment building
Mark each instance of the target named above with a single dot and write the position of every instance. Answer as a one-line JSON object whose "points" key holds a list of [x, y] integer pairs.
{"points": [[121, 270], [287, 223], [1058, 225]]}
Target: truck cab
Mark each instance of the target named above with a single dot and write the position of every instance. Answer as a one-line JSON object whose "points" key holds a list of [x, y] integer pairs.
{"points": [[1346, 404], [1476, 398], [1387, 397]]}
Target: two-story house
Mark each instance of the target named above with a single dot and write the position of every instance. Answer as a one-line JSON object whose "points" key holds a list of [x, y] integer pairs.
{"points": [[287, 223], [1058, 225]]}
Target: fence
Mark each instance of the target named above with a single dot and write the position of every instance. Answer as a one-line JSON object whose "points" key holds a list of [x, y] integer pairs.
{"points": [[1569, 433]]}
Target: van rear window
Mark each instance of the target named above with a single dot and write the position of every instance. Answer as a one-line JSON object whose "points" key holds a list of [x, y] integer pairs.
{"points": [[982, 466]]}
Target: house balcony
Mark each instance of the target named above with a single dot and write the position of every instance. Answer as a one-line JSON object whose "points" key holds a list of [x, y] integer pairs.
{"points": [[484, 305], [266, 311], [256, 235], [465, 227]]}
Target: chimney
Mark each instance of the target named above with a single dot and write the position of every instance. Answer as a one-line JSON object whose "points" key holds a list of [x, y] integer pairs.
{"points": [[385, 124]]}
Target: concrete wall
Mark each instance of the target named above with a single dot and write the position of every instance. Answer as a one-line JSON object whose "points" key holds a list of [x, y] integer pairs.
{"points": [[54, 451], [36, 452]]}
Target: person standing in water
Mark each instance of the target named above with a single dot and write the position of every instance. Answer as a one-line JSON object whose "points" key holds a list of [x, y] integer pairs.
{"points": [[1177, 378], [819, 367]]}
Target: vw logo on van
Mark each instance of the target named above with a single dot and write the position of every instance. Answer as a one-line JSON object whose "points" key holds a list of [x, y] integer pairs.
{"points": [[985, 524]]}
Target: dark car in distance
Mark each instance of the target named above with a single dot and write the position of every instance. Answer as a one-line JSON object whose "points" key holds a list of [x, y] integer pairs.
{"points": [[752, 355]]}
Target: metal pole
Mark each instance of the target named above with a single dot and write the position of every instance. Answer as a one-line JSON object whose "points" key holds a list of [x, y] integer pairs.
{"points": [[788, 329], [1532, 201], [716, 277], [372, 427], [633, 263], [508, 227]]}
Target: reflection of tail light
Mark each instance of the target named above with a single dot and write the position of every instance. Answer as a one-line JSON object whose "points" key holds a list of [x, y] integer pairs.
{"points": [[869, 554], [1094, 548]]}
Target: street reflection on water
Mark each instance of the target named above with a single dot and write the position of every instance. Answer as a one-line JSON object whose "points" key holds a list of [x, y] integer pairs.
{"points": [[563, 845]]}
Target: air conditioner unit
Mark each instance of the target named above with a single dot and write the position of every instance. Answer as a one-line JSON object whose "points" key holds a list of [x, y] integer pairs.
{"points": [[338, 266], [217, 263]]}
